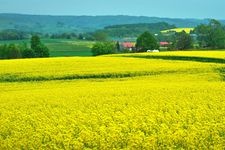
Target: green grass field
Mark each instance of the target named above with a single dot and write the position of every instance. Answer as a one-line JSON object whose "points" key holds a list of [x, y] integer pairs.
{"points": [[168, 100], [62, 47], [69, 48]]}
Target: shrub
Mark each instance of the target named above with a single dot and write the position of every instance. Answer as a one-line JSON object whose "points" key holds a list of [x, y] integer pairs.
{"points": [[101, 48]]}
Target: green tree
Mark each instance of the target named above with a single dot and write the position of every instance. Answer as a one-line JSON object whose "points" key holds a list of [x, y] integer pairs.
{"points": [[216, 35], [118, 46], [183, 41], [146, 41], [211, 35], [81, 37], [3, 49], [202, 32], [13, 52], [35, 41], [40, 50], [12, 34], [101, 48], [28, 53]]}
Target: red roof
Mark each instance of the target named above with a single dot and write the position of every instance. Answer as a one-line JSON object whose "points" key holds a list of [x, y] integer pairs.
{"points": [[164, 43], [128, 44]]}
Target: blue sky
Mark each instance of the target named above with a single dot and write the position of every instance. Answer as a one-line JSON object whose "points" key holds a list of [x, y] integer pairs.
{"points": [[158, 8]]}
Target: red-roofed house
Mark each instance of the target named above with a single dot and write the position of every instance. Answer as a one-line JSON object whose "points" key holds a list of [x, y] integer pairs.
{"points": [[164, 44], [128, 45]]}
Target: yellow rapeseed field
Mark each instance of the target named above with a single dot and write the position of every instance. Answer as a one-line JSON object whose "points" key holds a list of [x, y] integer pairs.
{"points": [[187, 30], [171, 100]]}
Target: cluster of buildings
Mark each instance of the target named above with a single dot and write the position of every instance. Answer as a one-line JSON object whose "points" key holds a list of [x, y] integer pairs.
{"points": [[131, 45]]}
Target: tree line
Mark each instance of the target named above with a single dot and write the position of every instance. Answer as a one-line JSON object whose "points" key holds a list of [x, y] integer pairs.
{"points": [[12, 34], [144, 42], [204, 36], [134, 30], [36, 50], [209, 36]]}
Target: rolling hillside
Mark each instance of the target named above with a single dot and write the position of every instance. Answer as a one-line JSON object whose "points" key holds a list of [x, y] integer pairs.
{"points": [[55, 24], [171, 100], [134, 30]]}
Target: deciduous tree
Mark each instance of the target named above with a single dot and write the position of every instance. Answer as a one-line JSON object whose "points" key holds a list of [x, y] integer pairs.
{"points": [[146, 41], [183, 41]]}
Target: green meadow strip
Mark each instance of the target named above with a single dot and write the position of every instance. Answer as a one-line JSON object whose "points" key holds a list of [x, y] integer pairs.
{"points": [[18, 78], [181, 58]]}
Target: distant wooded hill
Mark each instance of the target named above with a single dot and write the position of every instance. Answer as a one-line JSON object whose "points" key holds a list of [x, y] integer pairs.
{"points": [[134, 30], [57, 24]]}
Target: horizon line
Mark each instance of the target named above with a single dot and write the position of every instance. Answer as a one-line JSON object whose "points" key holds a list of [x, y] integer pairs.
{"points": [[57, 15]]}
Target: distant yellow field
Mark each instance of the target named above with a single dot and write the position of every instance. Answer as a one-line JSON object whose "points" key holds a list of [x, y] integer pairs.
{"points": [[187, 30], [171, 100]]}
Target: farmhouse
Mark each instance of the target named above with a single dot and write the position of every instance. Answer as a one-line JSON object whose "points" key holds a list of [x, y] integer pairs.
{"points": [[164, 44], [128, 45]]}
